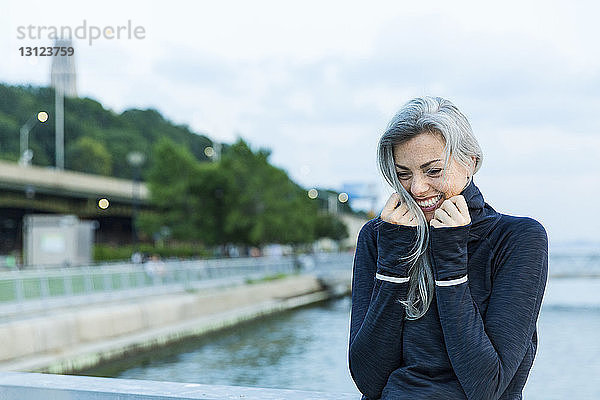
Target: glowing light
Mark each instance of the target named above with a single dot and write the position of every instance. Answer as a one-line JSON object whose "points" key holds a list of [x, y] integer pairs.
{"points": [[343, 197], [313, 193], [209, 151], [42, 116], [103, 203], [135, 158]]}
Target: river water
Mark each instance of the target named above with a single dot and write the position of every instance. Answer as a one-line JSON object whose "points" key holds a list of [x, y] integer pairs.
{"points": [[307, 349]]}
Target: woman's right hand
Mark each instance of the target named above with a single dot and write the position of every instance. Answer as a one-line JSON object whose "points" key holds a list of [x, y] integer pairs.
{"points": [[396, 212]]}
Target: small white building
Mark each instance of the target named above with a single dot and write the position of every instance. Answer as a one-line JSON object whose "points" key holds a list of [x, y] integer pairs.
{"points": [[57, 240], [353, 224]]}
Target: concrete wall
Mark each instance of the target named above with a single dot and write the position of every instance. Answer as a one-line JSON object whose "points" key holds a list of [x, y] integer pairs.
{"points": [[72, 340]]}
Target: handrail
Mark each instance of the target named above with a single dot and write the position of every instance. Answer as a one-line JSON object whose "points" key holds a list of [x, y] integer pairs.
{"points": [[22, 385]]}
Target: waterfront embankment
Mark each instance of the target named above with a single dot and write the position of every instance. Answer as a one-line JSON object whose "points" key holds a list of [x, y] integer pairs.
{"points": [[71, 340]]}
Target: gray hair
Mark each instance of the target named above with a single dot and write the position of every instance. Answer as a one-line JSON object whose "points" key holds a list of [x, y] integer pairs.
{"points": [[425, 115]]}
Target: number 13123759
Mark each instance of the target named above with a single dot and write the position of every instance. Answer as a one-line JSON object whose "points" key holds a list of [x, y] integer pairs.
{"points": [[46, 51]]}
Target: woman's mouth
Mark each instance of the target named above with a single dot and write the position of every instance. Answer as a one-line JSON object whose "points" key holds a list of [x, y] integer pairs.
{"points": [[431, 203]]}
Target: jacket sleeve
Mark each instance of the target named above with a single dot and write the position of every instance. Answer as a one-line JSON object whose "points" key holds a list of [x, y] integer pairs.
{"points": [[485, 352], [379, 281]]}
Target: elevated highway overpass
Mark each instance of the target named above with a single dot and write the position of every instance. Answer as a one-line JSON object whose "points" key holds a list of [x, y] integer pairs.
{"points": [[31, 189]]}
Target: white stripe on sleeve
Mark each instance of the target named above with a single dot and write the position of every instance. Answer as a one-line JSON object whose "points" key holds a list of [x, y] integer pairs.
{"points": [[393, 279], [452, 282]]}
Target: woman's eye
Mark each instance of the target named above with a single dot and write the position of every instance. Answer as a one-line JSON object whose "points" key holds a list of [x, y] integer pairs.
{"points": [[402, 176], [434, 171]]}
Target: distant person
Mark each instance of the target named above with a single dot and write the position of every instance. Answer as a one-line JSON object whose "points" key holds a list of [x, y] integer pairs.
{"points": [[136, 257], [446, 291], [255, 252], [155, 267]]}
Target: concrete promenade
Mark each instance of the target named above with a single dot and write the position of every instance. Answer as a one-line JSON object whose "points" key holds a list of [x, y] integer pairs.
{"points": [[71, 340]]}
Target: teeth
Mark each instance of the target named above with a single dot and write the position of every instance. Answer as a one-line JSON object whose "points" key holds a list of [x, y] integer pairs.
{"points": [[430, 202]]}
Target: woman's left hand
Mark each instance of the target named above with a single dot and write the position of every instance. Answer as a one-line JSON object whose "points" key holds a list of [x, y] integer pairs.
{"points": [[452, 212]]}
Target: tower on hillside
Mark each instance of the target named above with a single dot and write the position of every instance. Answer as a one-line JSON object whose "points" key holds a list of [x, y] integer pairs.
{"points": [[63, 76]]}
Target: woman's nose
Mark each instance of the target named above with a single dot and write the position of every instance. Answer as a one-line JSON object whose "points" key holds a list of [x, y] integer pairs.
{"points": [[419, 186]]}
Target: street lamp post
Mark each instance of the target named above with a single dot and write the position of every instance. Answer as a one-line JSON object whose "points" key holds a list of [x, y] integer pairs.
{"points": [[59, 139], [135, 159], [332, 203], [25, 153]]}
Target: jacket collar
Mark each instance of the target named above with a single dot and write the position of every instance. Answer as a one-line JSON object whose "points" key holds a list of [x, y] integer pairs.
{"points": [[483, 216]]}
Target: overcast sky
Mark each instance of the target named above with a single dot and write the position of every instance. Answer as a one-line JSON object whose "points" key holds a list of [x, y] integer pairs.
{"points": [[317, 82]]}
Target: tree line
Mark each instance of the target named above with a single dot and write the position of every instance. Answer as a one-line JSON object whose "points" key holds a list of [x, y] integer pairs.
{"points": [[97, 140]]}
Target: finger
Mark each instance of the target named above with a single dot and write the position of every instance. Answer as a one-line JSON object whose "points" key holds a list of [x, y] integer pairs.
{"points": [[406, 218], [399, 213], [390, 205], [442, 216], [435, 223], [452, 210], [462, 206]]}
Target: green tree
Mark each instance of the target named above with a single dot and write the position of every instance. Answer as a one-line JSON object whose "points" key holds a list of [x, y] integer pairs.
{"points": [[89, 155], [188, 195], [169, 181], [263, 204], [242, 199], [329, 226]]}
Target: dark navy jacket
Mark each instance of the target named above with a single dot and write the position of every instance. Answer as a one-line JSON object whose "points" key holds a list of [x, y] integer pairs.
{"points": [[478, 339]]}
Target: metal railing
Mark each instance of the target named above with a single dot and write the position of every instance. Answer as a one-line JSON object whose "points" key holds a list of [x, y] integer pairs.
{"points": [[19, 385], [49, 287], [39, 289]]}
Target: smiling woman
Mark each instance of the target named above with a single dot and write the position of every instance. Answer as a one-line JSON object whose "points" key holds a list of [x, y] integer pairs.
{"points": [[425, 179], [446, 291]]}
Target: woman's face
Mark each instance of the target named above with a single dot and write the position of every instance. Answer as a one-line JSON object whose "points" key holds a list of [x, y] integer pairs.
{"points": [[419, 167]]}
